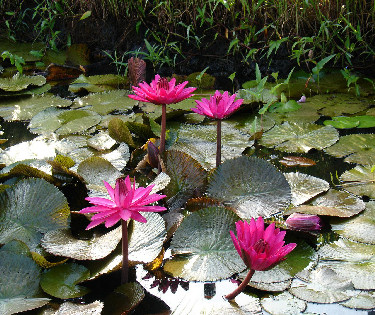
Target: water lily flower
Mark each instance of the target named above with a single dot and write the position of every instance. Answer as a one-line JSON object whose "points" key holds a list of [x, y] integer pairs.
{"points": [[162, 92], [259, 248], [304, 222], [126, 201], [219, 106]]}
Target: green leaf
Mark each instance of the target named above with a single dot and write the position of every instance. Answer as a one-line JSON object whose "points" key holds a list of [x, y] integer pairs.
{"points": [[31, 208], [252, 186], [203, 247], [85, 15], [61, 281]]}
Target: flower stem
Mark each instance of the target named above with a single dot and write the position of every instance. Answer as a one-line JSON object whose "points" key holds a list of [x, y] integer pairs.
{"points": [[218, 143], [163, 129], [125, 262], [241, 287]]}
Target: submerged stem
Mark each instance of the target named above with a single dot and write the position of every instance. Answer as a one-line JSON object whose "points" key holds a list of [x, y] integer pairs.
{"points": [[218, 143], [163, 130], [241, 287], [125, 262]]}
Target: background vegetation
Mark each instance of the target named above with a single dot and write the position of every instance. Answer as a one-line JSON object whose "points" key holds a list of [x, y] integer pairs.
{"points": [[180, 33]]}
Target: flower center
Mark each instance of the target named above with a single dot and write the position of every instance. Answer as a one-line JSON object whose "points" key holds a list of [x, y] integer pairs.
{"points": [[163, 84], [261, 246], [218, 98]]}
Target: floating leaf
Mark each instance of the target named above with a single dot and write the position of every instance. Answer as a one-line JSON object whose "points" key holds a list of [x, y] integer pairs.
{"points": [[31, 208], [19, 279], [27, 108], [363, 300], [69, 308], [333, 203], [359, 228], [200, 143], [187, 178], [304, 187], [203, 248], [119, 131], [354, 261], [96, 169], [283, 303], [61, 281], [357, 148], [124, 299], [101, 141], [63, 122], [252, 186], [289, 106], [97, 83], [20, 82], [325, 286], [119, 157], [106, 102], [342, 122], [146, 241], [299, 137], [359, 181], [63, 243], [305, 114]]}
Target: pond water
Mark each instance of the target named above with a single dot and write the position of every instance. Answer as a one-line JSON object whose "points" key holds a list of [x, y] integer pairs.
{"points": [[305, 135]]}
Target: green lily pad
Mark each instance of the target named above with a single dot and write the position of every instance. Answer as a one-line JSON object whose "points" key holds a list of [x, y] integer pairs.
{"points": [[119, 131], [31, 208], [26, 108], [251, 186], [202, 247], [325, 286], [305, 114], [32, 90], [101, 141], [63, 243], [97, 83], [20, 82], [17, 305], [289, 106], [354, 261], [338, 104], [22, 49], [186, 178], [356, 148], [341, 122], [359, 181], [119, 157], [283, 303], [333, 203], [304, 187], [106, 102], [200, 143], [63, 122], [359, 228], [61, 281], [299, 137], [124, 299], [96, 169]]}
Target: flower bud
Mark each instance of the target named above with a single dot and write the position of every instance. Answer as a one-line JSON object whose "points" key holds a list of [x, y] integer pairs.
{"points": [[304, 222]]}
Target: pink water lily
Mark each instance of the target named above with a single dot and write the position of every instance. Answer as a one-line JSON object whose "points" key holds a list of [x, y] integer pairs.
{"points": [[161, 91], [259, 248], [304, 222], [126, 202], [219, 106]]}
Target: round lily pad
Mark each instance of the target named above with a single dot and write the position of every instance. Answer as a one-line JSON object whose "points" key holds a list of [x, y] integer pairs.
{"points": [[251, 186], [61, 281], [352, 260], [106, 102], [202, 247], [20, 82], [356, 148], [359, 228], [31, 208], [200, 143], [27, 108], [283, 303], [304, 187], [63, 122], [69, 308], [305, 114], [362, 300], [101, 141], [299, 137], [359, 181]]}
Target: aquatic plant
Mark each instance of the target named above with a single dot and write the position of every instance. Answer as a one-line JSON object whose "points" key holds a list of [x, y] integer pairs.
{"points": [[260, 249], [304, 222], [219, 106], [162, 92], [127, 201]]}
